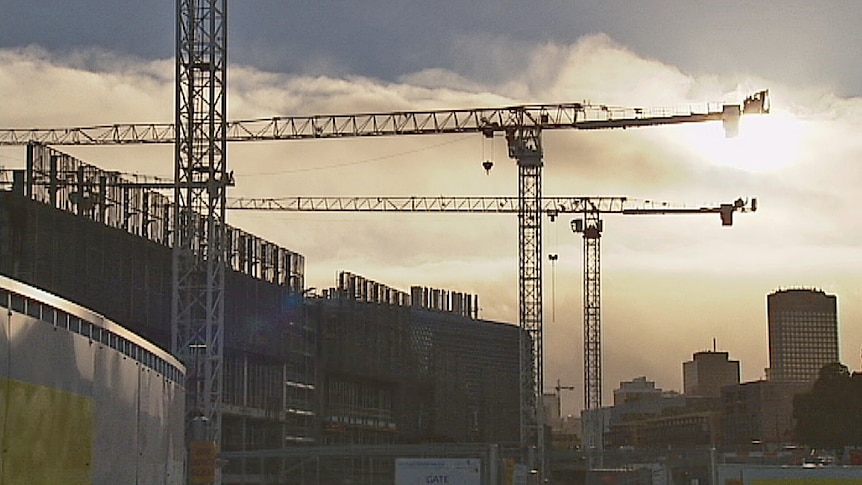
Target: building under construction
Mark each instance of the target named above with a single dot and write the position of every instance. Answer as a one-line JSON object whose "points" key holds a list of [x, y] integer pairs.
{"points": [[360, 363], [393, 372]]}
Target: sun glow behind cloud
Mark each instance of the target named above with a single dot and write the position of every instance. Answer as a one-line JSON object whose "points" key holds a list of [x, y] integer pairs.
{"points": [[663, 277], [765, 143]]}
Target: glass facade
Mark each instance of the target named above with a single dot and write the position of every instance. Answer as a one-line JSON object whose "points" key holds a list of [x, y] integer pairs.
{"points": [[803, 334]]}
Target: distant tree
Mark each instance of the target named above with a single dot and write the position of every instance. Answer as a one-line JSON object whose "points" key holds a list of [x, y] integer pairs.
{"points": [[830, 415]]}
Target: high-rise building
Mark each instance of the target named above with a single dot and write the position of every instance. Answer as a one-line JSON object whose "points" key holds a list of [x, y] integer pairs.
{"points": [[708, 372], [803, 334]]}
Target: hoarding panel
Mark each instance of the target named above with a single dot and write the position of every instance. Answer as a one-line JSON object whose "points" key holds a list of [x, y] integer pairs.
{"points": [[32, 413], [115, 393], [832, 475], [806, 481], [438, 471]]}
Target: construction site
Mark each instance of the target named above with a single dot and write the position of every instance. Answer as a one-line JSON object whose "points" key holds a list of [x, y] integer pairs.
{"points": [[359, 364], [294, 385]]}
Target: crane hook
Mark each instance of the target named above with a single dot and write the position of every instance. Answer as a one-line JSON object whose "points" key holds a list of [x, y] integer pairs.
{"points": [[487, 165]]}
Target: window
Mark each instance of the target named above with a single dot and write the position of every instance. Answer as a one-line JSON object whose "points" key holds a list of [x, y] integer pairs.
{"points": [[74, 324], [63, 320], [18, 304], [34, 309]]}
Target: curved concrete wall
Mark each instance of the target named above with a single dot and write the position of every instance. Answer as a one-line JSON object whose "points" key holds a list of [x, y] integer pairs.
{"points": [[82, 399]]}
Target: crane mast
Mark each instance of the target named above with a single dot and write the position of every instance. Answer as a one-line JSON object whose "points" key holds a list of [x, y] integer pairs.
{"points": [[591, 228], [199, 252], [525, 146]]}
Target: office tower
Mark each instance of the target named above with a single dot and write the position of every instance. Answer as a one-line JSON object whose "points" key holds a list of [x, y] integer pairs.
{"points": [[708, 372], [803, 334]]}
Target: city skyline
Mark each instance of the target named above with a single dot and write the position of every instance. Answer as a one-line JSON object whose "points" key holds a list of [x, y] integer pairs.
{"points": [[670, 284]]}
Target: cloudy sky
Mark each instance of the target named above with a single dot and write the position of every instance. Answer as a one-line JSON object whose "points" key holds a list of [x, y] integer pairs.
{"points": [[671, 284]]}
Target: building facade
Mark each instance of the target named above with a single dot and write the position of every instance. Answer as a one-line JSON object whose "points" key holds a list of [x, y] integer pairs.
{"points": [[759, 412], [635, 401], [803, 334], [94, 238], [707, 373], [639, 396], [394, 370], [361, 364]]}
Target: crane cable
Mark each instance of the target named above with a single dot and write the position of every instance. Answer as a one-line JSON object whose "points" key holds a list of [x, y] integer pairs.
{"points": [[357, 162], [553, 258]]}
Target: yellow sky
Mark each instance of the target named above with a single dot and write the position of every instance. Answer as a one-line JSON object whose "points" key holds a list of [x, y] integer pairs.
{"points": [[670, 284]]}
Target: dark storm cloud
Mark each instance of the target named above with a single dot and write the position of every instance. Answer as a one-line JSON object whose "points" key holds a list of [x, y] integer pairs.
{"points": [[142, 28], [812, 43]]}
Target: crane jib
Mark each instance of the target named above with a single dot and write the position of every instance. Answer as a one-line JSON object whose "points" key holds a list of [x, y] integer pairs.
{"points": [[483, 120]]}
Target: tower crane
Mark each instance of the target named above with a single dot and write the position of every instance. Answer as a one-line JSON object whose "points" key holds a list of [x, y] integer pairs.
{"points": [[557, 389], [200, 134], [590, 226], [201, 181]]}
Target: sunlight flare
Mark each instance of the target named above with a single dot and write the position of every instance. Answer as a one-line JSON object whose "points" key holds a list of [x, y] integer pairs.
{"points": [[764, 143]]}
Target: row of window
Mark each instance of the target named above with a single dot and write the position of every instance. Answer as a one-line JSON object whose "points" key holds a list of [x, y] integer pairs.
{"points": [[148, 213], [61, 319], [356, 399], [263, 386]]}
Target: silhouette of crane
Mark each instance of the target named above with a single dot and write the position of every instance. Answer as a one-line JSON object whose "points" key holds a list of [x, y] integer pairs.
{"points": [[590, 226], [200, 134], [557, 390]]}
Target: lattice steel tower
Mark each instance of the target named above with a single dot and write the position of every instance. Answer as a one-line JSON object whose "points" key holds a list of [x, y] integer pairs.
{"points": [[592, 231], [525, 146], [201, 180]]}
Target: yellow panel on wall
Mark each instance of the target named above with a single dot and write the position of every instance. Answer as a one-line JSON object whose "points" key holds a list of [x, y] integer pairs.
{"points": [[806, 481], [47, 435]]}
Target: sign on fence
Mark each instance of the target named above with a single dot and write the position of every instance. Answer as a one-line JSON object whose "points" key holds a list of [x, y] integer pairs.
{"points": [[438, 471]]}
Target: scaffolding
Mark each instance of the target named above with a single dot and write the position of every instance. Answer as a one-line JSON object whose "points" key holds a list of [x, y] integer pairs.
{"points": [[136, 206], [361, 364], [103, 240]]}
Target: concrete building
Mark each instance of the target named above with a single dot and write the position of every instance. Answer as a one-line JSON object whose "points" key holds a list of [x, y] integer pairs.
{"points": [[594, 424], [635, 389], [640, 397], [803, 334], [759, 412], [568, 435], [393, 372], [634, 401], [675, 429], [551, 409], [707, 373]]}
